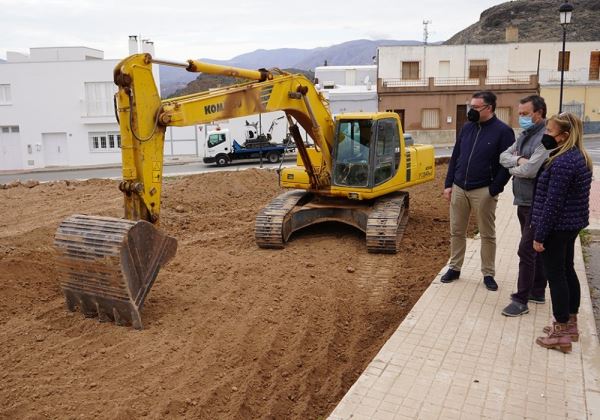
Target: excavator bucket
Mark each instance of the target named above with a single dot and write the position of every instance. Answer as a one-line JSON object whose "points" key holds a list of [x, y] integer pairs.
{"points": [[108, 265]]}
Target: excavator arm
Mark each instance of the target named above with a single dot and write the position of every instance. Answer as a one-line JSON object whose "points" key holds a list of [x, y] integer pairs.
{"points": [[108, 265], [143, 118]]}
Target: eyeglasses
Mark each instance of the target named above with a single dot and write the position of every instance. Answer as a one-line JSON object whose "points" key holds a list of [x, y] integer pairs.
{"points": [[479, 108]]}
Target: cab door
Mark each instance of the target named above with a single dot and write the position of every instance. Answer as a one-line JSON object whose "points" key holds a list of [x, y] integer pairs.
{"points": [[386, 143]]}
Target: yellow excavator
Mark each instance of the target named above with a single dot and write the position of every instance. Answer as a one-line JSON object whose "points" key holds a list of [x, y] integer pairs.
{"points": [[353, 174]]}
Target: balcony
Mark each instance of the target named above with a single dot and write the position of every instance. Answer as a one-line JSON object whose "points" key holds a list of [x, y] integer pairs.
{"points": [[512, 81], [571, 77]]}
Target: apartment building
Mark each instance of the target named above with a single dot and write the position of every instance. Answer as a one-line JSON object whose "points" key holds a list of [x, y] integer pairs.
{"points": [[430, 85]]}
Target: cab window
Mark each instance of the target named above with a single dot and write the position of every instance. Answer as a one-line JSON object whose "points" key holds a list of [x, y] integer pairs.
{"points": [[216, 139], [352, 153]]}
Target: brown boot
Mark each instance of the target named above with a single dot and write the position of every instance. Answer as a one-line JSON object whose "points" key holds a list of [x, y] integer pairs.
{"points": [[558, 339], [572, 329]]}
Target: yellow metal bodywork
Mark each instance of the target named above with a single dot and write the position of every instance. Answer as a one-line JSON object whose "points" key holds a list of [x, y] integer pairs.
{"points": [[144, 117]]}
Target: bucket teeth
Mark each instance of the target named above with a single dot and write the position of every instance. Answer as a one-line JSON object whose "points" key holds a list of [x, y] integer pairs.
{"points": [[107, 265]]}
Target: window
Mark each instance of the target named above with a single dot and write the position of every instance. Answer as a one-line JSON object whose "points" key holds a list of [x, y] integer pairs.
{"points": [[430, 118], [5, 98], [10, 129], [574, 107], [105, 142], [503, 114], [410, 70], [477, 69], [594, 65], [444, 70], [351, 165], [216, 139], [560, 60], [99, 98], [386, 145]]}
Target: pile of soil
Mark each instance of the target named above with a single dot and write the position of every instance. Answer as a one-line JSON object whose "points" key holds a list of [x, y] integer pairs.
{"points": [[231, 330]]}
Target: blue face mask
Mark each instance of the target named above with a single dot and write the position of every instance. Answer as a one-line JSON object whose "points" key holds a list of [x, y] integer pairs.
{"points": [[525, 122]]}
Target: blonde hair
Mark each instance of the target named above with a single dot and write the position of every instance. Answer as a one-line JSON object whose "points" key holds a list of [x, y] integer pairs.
{"points": [[571, 125]]}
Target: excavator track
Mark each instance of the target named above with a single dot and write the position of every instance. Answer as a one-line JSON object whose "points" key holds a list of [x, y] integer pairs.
{"points": [[386, 224], [108, 265], [270, 221]]}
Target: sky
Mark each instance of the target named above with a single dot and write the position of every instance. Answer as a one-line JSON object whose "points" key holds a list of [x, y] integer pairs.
{"points": [[223, 29]]}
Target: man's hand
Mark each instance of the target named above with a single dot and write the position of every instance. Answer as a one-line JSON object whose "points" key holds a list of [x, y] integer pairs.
{"points": [[522, 161], [538, 246], [448, 193]]}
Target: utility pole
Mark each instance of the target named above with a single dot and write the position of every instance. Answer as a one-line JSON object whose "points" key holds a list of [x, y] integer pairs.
{"points": [[425, 31]]}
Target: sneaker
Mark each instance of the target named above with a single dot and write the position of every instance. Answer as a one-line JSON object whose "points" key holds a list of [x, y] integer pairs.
{"points": [[537, 299], [490, 283], [450, 276], [515, 309]]}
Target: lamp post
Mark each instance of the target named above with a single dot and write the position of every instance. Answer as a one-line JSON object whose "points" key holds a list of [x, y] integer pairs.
{"points": [[565, 10]]}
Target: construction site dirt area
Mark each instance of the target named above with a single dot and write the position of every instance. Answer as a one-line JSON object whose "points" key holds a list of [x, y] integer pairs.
{"points": [[231, 331]]}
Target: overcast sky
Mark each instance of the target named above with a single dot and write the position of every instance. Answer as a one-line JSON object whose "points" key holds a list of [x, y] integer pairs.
{"points": [[222, 29]]}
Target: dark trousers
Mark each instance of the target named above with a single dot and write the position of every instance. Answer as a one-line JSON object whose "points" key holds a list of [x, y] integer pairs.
{"points": [[532, 280], [562, 279]]}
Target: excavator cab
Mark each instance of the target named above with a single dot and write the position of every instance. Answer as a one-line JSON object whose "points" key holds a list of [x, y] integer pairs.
{"points": [[366, 152]]}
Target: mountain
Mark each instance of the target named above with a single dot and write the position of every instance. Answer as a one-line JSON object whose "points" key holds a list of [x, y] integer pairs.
{"points": [[355, 52], [536, 20], [205, 82]]}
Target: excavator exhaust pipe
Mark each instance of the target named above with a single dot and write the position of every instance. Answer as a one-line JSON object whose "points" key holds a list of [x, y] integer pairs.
{"points": [[108, 265]]}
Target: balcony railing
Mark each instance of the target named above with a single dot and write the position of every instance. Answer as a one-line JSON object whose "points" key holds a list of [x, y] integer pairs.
{"points": [[511, 79], [581, 75]]}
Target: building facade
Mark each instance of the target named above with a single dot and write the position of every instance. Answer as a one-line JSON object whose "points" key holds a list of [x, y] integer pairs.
{"points": [[348, 88], [430, 86], [56, 109]]}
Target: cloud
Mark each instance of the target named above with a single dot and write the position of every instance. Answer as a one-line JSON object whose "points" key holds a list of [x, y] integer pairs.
{"points": [[222, 30]]}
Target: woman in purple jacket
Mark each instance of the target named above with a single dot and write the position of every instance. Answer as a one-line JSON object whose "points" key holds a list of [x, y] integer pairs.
{"points": [[560, 210]]}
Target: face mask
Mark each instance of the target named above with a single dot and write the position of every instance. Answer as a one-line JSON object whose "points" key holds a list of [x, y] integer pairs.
{"points": [[473, 115], [549, 142], [525, 122]]}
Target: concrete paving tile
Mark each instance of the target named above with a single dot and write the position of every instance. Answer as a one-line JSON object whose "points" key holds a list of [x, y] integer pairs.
{"points": [[450, 413], [408, 412], [365, 410], [488, 413], [383, 415], [388, 406]]}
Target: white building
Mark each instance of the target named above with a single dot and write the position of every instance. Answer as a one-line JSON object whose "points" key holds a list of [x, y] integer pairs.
{"points": [[348, 88], [56, 109]]}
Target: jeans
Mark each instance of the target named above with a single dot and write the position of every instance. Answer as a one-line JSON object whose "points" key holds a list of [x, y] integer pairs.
{"points": [[532, 280], [560, 272]]}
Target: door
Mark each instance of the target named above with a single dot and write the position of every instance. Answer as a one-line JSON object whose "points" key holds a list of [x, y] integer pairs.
{"points": [[461, 117], [55, 149], [10, 148], [400, 113]]}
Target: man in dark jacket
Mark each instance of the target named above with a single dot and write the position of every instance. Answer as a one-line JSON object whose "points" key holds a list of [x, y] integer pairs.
{"points": [[523, 160], [475, 179]]}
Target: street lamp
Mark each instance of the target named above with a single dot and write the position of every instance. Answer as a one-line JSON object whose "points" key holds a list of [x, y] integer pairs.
{"points": [[565, 10]]}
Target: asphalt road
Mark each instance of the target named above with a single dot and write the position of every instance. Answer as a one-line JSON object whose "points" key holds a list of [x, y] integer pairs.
{"points": [[196, 166]]}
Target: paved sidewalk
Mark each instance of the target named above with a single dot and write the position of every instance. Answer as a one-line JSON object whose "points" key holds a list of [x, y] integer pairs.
{"points": [[456, 357]]}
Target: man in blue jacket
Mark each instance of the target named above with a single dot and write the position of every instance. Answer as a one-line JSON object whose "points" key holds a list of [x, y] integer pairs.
{"points": [[475, 179]]}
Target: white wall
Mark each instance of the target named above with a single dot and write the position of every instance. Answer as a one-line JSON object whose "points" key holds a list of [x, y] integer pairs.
{"points": [[355, 88], [49, 97], [503, 59]]}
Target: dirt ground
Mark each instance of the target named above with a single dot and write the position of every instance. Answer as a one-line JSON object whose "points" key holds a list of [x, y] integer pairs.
{"points": [[231, 331]]}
